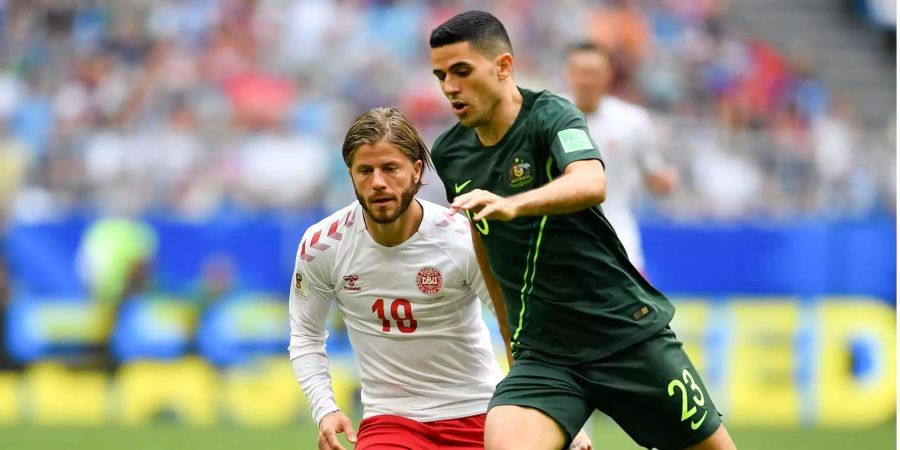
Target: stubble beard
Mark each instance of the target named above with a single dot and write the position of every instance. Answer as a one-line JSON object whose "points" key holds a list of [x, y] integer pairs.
{"points": [[487, 109], [406, 198]]}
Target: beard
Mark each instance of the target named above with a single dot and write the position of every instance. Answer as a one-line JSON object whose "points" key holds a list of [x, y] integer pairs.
{"points": [[388, 216]]}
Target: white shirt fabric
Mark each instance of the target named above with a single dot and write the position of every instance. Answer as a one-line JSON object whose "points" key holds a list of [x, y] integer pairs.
{"points": [[624, 133], [430, 356]]}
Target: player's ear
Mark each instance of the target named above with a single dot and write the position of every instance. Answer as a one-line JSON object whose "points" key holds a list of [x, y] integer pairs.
{"points": [[417, 170], [350, 173], [504, 64]]}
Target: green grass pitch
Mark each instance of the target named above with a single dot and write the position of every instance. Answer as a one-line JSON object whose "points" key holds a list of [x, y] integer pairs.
{"points": [[606, 437]]}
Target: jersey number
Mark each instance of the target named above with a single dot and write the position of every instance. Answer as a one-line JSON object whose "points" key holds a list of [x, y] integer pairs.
{"points": [[405, 322], [698, 399]]}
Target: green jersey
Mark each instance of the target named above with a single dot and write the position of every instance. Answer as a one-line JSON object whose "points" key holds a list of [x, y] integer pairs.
{"points": [[571, 294]]}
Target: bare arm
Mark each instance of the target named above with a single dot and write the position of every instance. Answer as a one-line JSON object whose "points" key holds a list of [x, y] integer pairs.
{"points": [[659, 178], [582, 186], [662, 182], [494, 290]]}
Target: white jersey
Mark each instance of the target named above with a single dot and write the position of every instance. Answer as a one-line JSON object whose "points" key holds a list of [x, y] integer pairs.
{"points": [[412, 312], [624, 133]]}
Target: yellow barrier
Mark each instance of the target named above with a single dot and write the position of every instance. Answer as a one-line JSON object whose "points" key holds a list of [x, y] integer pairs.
{"points": [[60, 396], [775, 361], [9, 398], [690, 324], [263, 395], [762, 366], [186, 389], [843, 399]]}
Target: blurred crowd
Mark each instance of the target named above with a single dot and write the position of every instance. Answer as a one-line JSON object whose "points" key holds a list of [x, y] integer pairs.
{"points": [[203, 108], [881, 14]]}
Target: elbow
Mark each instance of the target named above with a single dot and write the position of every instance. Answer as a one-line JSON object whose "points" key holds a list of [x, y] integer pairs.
{"points": [[592, 195], [601, 196], [588, 182], [597, 192]]}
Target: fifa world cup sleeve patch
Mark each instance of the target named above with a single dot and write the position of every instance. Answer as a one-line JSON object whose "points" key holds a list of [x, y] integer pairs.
{"points": [[573, 140], [301, 286]]}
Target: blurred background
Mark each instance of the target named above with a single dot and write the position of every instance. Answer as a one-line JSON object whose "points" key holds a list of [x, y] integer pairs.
{"points": [[160, 160]]}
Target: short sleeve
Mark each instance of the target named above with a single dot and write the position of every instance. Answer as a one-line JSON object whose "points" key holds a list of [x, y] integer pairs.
{"points": [[566, 132]]}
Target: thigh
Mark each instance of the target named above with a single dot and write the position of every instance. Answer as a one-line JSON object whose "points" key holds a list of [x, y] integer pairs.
{"points": [[534, 402], [511, 427], [387, 432], [653, 391], [464, 433]]}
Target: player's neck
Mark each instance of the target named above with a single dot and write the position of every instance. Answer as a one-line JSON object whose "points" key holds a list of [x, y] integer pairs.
{"points": [[507, 110], [591, 106], [398, 231]]}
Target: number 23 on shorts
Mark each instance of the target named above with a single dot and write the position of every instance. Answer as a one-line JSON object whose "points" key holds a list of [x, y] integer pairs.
{"points": [[689, 388]]}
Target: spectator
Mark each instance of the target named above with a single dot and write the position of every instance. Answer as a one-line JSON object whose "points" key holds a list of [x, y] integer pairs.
{"points": [[834, 140], [162, 100], [115, 259]]}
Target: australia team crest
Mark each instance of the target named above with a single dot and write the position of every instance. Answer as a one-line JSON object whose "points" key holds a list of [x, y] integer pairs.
{"points": [[520, 174]]}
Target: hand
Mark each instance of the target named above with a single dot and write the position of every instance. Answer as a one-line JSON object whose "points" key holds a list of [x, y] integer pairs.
{"points": [[662, 182], [485, 205], [330, 426], [581, 442]]}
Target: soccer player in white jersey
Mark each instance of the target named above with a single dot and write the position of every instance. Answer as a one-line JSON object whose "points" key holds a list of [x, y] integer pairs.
{"points": [[406, 280], [625, 135]]}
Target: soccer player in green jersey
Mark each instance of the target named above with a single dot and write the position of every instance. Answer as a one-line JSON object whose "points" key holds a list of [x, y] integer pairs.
{"points": [[587, 330]]}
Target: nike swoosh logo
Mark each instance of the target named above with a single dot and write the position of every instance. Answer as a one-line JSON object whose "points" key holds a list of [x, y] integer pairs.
{"points": [[460, 187], [695, 425]]}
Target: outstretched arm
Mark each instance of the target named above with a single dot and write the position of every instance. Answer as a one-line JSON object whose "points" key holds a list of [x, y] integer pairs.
{"points": [[582, 186]]}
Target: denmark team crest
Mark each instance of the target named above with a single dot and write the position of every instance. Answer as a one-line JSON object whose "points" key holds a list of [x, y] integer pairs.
{"points": [[429, 280]]}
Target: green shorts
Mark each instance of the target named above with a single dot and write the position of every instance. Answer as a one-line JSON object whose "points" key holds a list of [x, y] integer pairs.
{"points": [[650, 389]]}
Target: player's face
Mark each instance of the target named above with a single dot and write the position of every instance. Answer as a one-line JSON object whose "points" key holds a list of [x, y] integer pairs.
{"points": [[385, 180], [470, 81], [588, 74]]}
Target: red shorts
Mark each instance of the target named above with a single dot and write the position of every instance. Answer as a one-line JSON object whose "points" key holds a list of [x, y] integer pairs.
{"points": [[399, 433]]}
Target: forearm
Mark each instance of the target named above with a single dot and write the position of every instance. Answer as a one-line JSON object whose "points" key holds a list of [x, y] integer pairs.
{"points": [[573, 191], [500, 311], [312, 372], [494, 292], [307, 318]]}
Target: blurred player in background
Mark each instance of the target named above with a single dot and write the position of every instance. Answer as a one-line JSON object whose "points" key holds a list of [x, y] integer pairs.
{"points": [[625, 133], [407, 283], [588, 331]]}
